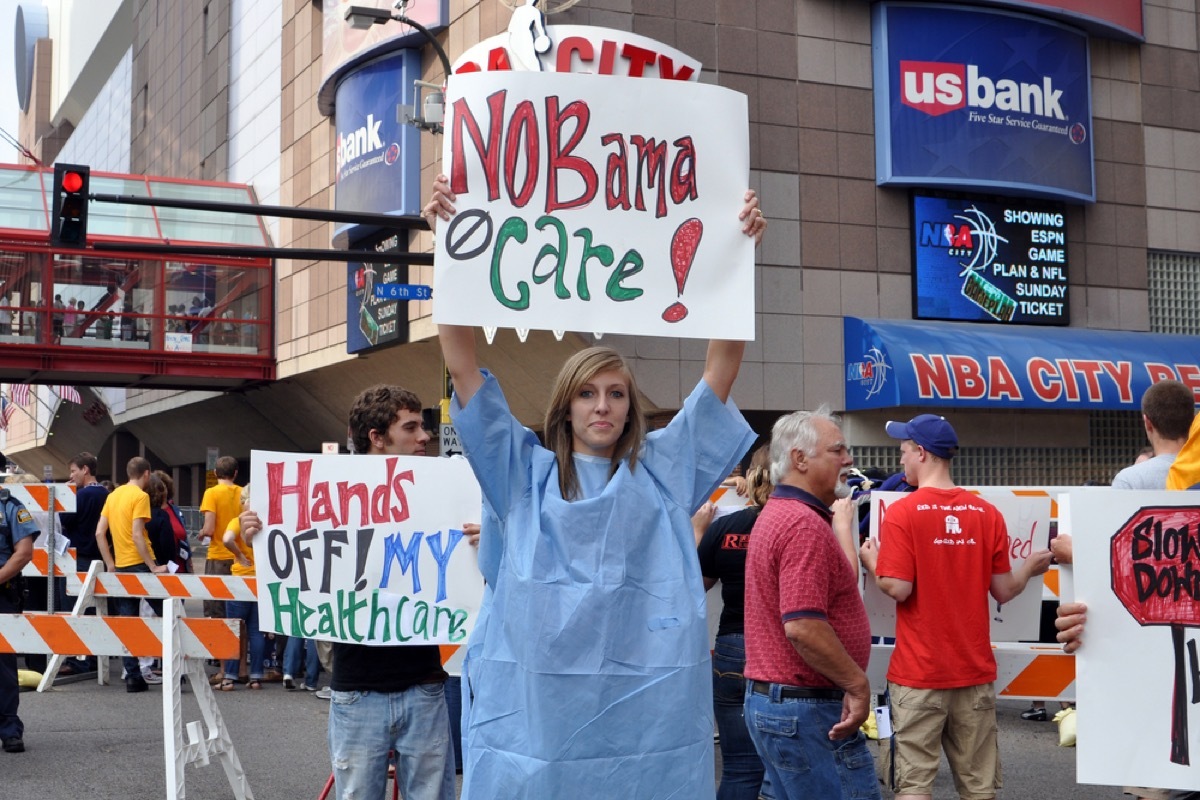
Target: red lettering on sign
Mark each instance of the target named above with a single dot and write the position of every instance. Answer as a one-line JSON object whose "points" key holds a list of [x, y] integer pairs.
{"points": [[1044, 380], [489, 153], [569, 47], [1066, 371], [639, 58], [523, 125], [558, 155], [933, 378], [1001, 381], [1159, 372], [666, 69], [968, 378], [1091, 369], [1189, 375], [1122, 374]]}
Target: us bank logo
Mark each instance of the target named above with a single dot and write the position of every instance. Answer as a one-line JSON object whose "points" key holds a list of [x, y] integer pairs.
{"points": [[870, 373]]}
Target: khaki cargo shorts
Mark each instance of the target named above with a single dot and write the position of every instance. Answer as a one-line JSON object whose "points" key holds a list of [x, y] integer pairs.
{"points": [[960, 721]]}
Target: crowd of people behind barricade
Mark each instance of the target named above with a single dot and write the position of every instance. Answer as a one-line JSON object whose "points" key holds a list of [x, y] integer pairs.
{"points": [[606, 687]]}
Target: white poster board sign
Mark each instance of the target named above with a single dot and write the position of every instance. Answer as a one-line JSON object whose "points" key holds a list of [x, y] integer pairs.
{"points": [[1137, 567], [595, 204], [1028, 522], [366, 549]]}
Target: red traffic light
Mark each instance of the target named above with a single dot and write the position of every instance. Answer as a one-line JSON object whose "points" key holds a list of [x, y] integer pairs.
{"points": [[72, 181]]}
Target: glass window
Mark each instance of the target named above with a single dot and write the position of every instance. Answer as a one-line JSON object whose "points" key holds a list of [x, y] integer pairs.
{"points": [[207, 226], [121, 219], [1173, 280], [21, 203]]}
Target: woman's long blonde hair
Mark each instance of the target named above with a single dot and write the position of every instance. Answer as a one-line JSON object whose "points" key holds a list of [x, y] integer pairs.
{"points": [[758, 476], [578, 370]]}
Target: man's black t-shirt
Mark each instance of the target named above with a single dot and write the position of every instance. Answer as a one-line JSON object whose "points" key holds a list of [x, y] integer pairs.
{"points": [[359, 668]]}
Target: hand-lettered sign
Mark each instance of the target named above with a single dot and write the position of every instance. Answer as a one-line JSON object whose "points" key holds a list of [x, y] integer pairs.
{"points": [[1137, 567], [598, 204], [1155, 558], [1028, 522], [365, 549]]}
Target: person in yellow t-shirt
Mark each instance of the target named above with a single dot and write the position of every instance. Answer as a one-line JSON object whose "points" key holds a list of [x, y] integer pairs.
{"points": [[126, 512], [220, 504], [239, 546]]}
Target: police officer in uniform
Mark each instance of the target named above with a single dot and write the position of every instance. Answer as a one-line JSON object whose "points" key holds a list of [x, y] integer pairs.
{"points": [[17, 532]]}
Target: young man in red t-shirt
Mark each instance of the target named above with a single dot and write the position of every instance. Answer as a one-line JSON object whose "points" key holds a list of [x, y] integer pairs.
{"points": [[942, 551]]}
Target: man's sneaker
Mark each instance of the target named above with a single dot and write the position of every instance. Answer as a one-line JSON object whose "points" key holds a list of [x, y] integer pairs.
{"points": [[324, 693], [289, 683], [151, 678], [14, 744], [135, 685], [1032, 714]]}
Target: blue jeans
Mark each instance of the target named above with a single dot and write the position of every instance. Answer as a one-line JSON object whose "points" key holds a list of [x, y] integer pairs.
{"points": [[10, 690], [130, 607], [247, 611], [305, 650], [741, 768], [364, 726], [792, 737]]}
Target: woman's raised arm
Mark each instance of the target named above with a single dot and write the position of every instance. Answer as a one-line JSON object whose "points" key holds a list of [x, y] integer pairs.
{"points": [[458, 341]]}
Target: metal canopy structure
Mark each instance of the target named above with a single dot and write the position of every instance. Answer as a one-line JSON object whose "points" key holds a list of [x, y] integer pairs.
{"points": [[115, 315]]}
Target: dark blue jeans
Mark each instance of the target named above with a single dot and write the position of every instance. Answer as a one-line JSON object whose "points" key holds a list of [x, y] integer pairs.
{"points": [[10, 690], [792, 736], [741, 768], [129, 607]]}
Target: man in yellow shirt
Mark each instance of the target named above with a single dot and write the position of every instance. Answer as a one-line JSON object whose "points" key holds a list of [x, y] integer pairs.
{"points": [[221, 504], [126, 512]]}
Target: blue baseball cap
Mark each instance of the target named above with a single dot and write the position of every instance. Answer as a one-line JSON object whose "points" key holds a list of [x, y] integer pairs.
{"points": [[930, 431]]}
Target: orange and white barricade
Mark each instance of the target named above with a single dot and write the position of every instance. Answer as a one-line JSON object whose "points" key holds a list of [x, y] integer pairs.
{"points": [[1023, 671], [182, 643], [95, 584]]}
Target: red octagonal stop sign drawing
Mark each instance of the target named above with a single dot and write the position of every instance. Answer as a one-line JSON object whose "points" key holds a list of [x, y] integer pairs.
{"points": [[1155, 561]]}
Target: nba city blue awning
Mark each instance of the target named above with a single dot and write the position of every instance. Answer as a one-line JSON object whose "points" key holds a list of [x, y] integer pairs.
{"points": [[955, 365]]}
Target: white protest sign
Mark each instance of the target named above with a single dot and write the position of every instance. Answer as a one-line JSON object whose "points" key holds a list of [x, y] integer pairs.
{"points": [[595, 204], [1137, 567], [365, 549], [1028, 522]]}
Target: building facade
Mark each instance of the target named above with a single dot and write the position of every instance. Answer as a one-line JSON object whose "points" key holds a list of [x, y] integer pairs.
{"points": [[241, 91]]}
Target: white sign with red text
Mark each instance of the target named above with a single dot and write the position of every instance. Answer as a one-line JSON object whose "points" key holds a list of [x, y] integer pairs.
{"points": [[595, 204], [1028, 522], [366, 549]]}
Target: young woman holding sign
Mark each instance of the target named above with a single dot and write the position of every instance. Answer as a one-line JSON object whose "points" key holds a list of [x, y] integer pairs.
{"points": [[588, 673]]}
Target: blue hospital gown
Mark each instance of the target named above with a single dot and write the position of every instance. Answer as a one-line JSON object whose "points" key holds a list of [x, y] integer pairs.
{"points": [[589, 664]]}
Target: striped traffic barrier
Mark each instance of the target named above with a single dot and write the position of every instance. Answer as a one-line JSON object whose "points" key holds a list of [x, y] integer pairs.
{"points": [[1023, 671], [114, 636], [183, 644], [95, 583]]}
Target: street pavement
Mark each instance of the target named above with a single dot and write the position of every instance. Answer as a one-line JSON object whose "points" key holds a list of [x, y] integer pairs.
{"points": [[89, 741]]}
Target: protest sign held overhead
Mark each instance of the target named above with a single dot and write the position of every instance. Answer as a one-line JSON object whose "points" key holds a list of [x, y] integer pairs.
{"points": [[365, 549], [593, 203]]}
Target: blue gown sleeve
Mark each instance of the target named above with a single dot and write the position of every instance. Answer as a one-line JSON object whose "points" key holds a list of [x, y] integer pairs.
{"points": [[499, 449], [698, 449]]}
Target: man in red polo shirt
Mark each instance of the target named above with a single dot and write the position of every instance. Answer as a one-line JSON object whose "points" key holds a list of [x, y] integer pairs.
{"points": [[807, 634]]}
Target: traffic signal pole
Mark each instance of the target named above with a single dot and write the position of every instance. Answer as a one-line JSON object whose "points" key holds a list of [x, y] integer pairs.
{"points": [[395, 222]]}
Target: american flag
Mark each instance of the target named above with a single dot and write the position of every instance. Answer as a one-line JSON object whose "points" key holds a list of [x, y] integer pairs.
{"points": [[70, 394], [7, 409], [19, 392]]}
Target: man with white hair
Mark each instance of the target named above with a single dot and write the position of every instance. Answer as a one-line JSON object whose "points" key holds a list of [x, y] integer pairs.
{"points": [[807, 633]]}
